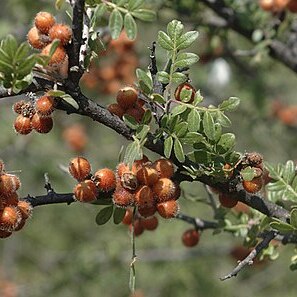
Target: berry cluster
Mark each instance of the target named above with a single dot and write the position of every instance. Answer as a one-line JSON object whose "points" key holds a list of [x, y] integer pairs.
{"points": [[278, 5], [45, 31], [140, 223], [149, 187], [128, 103], [34, 115], [89, 186], [13, 212], [117, 67]]}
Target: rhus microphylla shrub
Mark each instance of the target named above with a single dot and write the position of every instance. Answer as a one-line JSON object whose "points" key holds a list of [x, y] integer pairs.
{"points": [[163, 111]]}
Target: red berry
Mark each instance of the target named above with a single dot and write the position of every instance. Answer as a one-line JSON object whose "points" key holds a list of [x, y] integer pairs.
{"points": [[127, 220], [42, 124], [127, 97], [44, 21], [227, 201], [85, 191], [10, 217], [9, 184], [147, 175], [165, 189], [45, 105], [138, 228], [37, 39], [135, 112], [61, 32], [164, 168], [190, 237], [79, 168], [25, 208], [254, 185], [11, 200], [146, 212], [150, 223], [122, 197], [18, 106], [22, 125], [58, 56], [185, 87], [144, 197], [106, 179], [116, 109], [168, 209], [5, 234]]}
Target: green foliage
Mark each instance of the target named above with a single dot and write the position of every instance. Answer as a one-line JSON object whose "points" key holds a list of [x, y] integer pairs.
{"points": [[284, 182]]}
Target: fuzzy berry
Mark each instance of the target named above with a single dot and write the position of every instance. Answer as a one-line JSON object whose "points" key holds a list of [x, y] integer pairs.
{"points": [[42, 124], [147, 175], [58, 56], [22, 125], [106, 180], [85, 191], [227, 201], [44, 21], [116, 109], [45, 105], [5, 234], [164, 168], [139, 163], [147, 212], [61, 32], [10, 217], [127, 219], [190, 238], [11, 200], [25, 208], [144, 197], [165, 189], [150, 223], [127, 97], [129, 181], [9, 184], [122, 197], [17, 107], [36, 39], [254, 185], [121, 169], [168, 209], [79, 168], [185, 87], [136, 113], [138, 228]]}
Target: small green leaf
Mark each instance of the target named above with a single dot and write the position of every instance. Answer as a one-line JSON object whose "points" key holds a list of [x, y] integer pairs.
{"points": [[142, 132], [223, 119], [130, 122], [226, 143], [185, 59], [130, 26], [181, 129], [186, 40], [26, 66], [145, 15], [191, 138], [186, 94], [247, 173], [54, 46], [163, 77], [175, 29], [145, 77], [118, 215], [134, 4], [104, 215], [147, 117], [178, 151], [168, 143], [293, 218], [10, 45], [198, 98], [56, 93], [115, 23], [208, 125], [133, 152], [194, 120], [282, 227], [178, 109], [22, 52], [158, 98], [59, 4], [164, 41], [67, 98], [229, 104], [178, 77]]}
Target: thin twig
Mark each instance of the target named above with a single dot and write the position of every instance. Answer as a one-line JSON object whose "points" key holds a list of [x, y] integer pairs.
{"points": [[252, 255]]}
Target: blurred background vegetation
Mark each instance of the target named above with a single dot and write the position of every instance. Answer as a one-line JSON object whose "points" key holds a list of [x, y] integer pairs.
{"points": [[62, 252]]}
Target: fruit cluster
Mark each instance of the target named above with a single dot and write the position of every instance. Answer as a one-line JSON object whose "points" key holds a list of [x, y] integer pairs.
{"points": [[278, 5], [42, 35], [13, 212], [89, 186], [261, 177], [149, 187], [140, 223], [117, 67], [34, 115], [128, 103]]}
